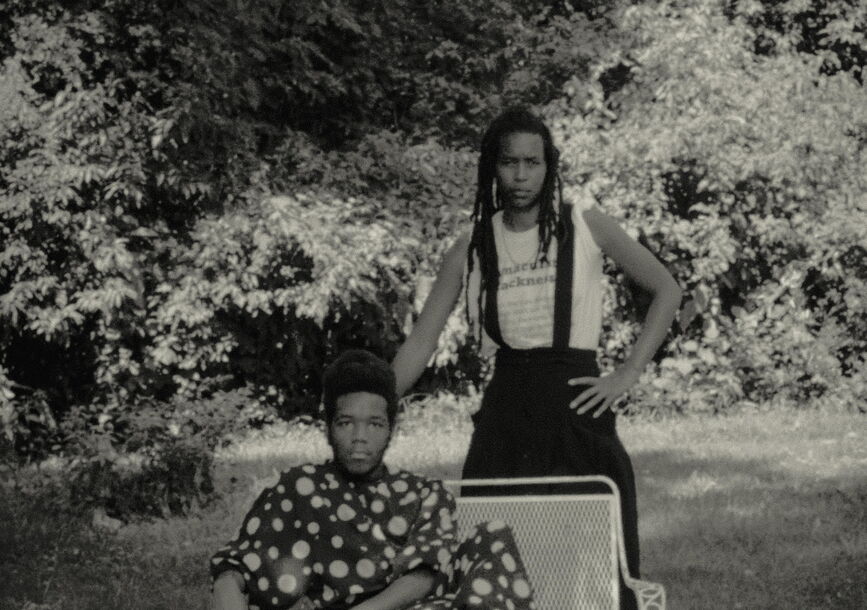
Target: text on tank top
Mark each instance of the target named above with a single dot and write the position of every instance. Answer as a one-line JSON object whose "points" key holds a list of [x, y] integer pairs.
{"points": [[525, 296]]}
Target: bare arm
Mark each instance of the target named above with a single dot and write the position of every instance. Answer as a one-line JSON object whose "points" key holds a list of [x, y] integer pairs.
{"points": [[409, 588], [414, 354], [646, 270], [643, 268]]}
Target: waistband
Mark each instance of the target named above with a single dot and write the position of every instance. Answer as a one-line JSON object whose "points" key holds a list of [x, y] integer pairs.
{"points": [[507, 356], [535, 379]]}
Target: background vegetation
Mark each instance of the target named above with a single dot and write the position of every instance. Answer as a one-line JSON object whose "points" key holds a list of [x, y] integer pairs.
{"points": [[201, 203]]}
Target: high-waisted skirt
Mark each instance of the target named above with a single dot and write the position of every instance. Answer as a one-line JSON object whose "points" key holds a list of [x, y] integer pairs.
{"points": [[525, 428]]}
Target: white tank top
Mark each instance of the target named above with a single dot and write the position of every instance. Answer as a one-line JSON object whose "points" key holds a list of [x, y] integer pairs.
{"points": [[525, 298]]}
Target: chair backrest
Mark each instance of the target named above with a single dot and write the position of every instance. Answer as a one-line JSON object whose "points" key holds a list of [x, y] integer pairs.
{"points": [[567, 535]]}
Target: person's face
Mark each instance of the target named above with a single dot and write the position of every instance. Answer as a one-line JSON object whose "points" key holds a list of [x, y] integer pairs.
{"points": [[360, 432], [521, 169]]}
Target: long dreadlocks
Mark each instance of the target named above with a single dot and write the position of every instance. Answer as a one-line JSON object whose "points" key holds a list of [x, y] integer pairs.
{"points": [[513, 120]]}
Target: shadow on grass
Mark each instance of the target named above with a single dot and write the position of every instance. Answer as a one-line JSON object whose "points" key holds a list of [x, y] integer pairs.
{"points": [[748, 533], [732, 523], [719, 531]]}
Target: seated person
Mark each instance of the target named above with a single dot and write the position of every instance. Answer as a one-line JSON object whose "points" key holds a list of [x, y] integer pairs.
{"points": [[354, 533]]}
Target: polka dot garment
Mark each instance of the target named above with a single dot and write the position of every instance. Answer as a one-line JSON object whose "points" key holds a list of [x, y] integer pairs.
{"points": [[320, 536], [487, 573]]}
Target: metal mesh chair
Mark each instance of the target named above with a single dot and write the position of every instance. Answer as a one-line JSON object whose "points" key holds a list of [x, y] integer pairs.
{"points": [[571, 542]]}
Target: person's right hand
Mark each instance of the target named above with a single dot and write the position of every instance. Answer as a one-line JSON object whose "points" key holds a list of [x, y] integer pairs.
{"points": [[602, 392]]}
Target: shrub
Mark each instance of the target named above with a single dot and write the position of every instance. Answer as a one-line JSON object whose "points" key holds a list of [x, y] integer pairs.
{"points": [[154, 460], [176, 220], [694, 151]]}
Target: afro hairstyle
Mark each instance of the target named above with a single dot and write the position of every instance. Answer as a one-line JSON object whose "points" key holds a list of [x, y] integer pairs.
{"points": [[358, 370]]}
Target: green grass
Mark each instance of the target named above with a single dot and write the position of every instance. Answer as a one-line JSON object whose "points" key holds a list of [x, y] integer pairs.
{"points": [[757, 510], [767, 511]]}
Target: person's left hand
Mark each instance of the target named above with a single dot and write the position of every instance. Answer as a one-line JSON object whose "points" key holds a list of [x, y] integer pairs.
{"points": [[603, 391]]}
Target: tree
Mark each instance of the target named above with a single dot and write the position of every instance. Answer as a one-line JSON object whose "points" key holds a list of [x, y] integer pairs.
{"points": [[697, 152]]}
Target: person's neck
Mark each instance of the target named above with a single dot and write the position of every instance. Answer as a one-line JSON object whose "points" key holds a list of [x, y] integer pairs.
{"points": [[368, 477], [519, 220]]}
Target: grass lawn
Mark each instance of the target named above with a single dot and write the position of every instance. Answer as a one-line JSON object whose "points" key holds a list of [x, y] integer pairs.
{"points": [[756, 510]]}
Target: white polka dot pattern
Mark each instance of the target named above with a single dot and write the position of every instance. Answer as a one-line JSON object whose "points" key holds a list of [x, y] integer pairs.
{"points": [[354, 539], [304, 486], [301, 549], [287, 583], [338, 568]]}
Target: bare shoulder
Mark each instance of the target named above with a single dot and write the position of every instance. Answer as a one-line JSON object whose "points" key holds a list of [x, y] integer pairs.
{"points": [[457, 253], [462, 243], [604, 228]]}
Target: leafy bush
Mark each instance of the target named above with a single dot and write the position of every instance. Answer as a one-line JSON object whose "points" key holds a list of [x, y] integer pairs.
{"points": [[441, 411], [695, 152], [196, 197], [155, 460], [270, 294]]}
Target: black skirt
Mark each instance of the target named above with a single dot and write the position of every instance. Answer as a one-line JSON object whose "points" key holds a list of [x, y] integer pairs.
{"points": [[525, 428]]}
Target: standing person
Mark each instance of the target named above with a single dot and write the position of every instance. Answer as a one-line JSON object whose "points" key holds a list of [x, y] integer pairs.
{"points": [[533, 269], [354, 533]]}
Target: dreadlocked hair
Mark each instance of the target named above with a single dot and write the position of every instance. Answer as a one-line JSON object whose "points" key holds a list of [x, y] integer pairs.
{"points": [[514, 120]]}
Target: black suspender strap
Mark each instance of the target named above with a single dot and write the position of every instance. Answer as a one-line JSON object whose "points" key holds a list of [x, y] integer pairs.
{"points": [[563, 285], [491, 280]]}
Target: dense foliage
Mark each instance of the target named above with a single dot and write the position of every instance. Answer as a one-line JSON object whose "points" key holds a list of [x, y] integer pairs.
{"points": [[745, 173], [203, 197]]}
